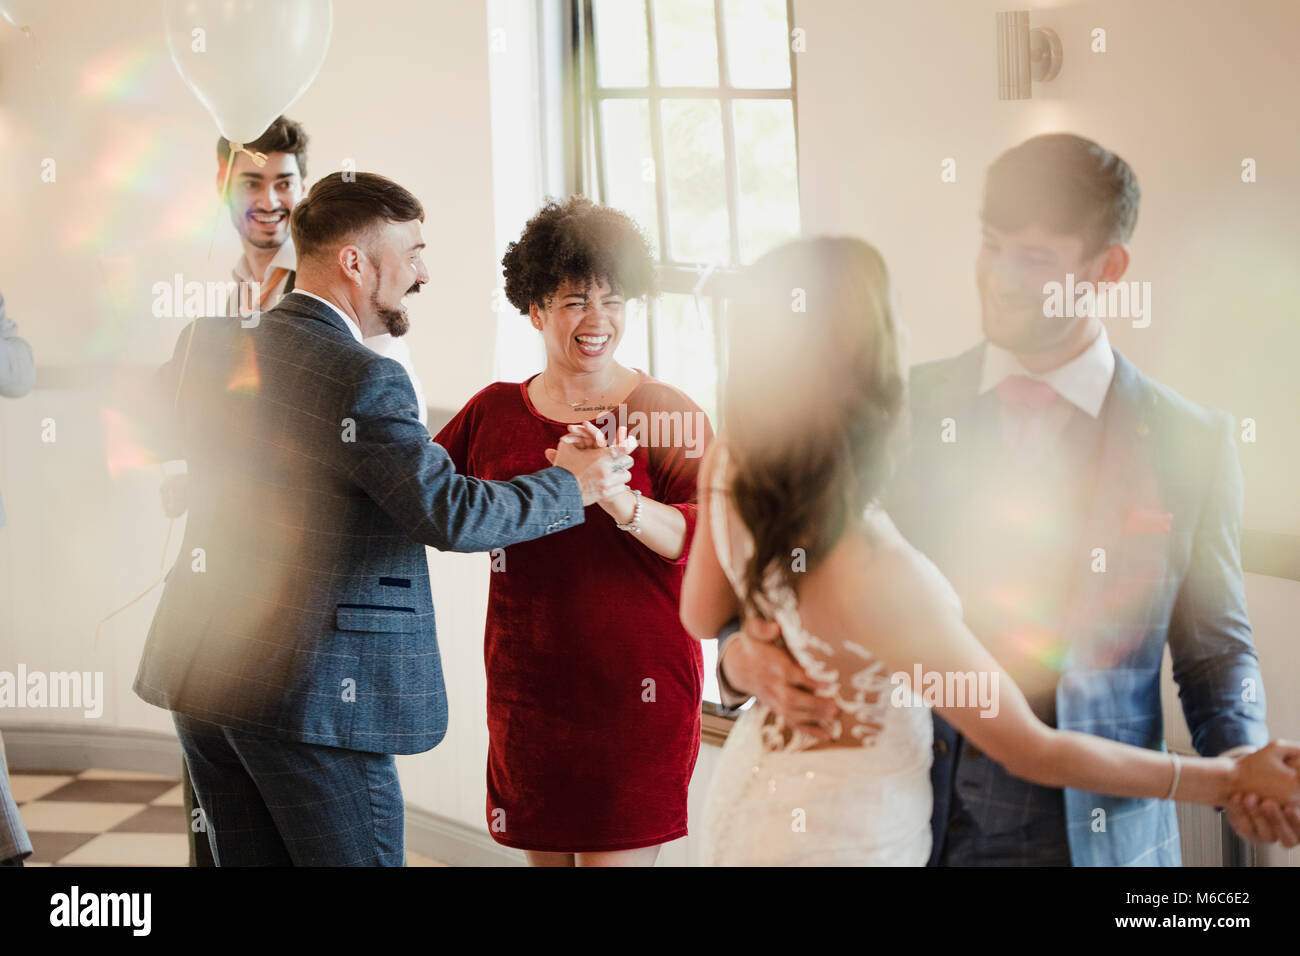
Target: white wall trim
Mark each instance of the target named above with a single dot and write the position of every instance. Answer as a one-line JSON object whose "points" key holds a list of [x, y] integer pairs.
{"points": [[51, 747], [454, 843]]}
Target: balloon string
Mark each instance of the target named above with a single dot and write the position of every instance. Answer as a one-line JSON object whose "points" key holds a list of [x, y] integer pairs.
{"points": [[162, 576], [171, 522]]}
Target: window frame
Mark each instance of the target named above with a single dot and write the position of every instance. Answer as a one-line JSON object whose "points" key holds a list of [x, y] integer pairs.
{"points": [[586, 166], [655, 93]]}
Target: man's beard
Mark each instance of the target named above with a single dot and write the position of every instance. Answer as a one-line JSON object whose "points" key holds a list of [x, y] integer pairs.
{"points": [[395, 320]]}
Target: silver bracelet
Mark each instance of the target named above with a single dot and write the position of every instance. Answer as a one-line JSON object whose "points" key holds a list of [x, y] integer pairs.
{"points": [[1178, 769], [632, 525]]}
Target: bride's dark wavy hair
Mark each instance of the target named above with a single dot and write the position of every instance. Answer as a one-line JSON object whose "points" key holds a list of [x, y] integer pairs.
{"points": [[813, 394]]}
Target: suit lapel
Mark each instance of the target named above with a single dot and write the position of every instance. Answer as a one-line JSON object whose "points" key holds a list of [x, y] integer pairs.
{"points": [[957, 380]]}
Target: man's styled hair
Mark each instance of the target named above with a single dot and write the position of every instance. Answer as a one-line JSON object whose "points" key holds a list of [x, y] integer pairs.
{"points": [[1067, 184], [339, 209], [282, 136], [577, 240]]}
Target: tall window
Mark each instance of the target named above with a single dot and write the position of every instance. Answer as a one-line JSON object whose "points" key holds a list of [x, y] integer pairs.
{"points": [[686, 121], [692, 133]]}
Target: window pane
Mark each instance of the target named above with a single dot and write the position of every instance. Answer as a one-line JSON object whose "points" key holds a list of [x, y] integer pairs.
{"points": [[686, 43], [622, 57], [629, 163], [768, 175], [519, 352], [757, 36], [697, 185], [684, 352], [634, 348]]}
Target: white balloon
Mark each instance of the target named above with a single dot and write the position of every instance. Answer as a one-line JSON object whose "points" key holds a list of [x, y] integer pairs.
{"points": [[21, 13], [248, 60]]}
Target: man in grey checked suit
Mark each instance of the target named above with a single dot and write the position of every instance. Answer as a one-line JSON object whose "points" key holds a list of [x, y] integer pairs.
{"points": [[295, 640]]}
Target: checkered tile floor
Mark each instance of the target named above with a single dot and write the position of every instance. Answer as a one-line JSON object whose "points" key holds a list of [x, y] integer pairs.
{"points": [[101, 818], [107, 818]]}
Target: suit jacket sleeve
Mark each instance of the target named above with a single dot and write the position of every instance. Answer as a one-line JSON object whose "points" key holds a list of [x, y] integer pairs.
{"points": [[731, 700], [17, 365], [392, 457], [1214, 659]]}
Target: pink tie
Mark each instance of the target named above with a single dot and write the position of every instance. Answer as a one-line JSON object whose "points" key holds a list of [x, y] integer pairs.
{"points": [[1021, 391], [1025, 400]]}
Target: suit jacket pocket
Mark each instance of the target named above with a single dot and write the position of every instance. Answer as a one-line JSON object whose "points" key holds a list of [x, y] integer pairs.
{"points": [[375, 617]]}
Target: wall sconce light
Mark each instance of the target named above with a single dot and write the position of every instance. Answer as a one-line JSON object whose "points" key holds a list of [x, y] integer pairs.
{"points": [[1024, 55]]}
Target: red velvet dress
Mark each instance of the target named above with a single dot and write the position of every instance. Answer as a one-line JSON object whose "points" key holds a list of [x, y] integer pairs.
{"points": [[593, 686]]}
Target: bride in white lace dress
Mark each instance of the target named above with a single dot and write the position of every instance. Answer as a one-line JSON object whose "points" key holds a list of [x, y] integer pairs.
{"points": [[780, 798], [787, 531]]}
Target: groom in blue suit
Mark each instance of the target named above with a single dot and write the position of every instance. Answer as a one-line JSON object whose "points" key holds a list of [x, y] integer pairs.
{"points": [[295, 642], [1087, 516]]}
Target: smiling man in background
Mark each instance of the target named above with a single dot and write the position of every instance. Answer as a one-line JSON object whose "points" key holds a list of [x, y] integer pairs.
{"points": [[260, 200]]}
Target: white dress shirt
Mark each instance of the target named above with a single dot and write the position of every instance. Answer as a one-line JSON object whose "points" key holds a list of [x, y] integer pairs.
{"points": [[285, 258], [1082, 382]]}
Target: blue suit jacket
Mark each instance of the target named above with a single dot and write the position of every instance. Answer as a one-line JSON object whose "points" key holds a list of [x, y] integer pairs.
{"points": [[1161, 455], [300, 606]]}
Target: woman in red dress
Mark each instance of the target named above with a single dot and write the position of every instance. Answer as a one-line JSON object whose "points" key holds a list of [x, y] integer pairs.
{"points": [[594, 687]]}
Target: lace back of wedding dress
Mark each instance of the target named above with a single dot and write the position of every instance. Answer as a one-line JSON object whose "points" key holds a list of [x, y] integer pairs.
{"points": [[858, 681]]}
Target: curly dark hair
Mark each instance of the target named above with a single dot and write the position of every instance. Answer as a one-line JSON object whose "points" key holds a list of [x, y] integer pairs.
{"points": [[581, 241], [814, 391]]}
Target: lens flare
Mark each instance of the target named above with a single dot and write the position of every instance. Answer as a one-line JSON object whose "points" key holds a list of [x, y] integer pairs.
{"points": [[245, 379], [119, 75], [123, 452]]}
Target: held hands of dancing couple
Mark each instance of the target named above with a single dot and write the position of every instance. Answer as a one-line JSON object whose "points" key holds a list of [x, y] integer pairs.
{"points": [[602, 471], [1259, 791]]}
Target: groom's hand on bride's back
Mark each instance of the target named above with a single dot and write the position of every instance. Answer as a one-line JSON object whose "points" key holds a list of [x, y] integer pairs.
{"points": [[755, 663], [601, 472]]}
